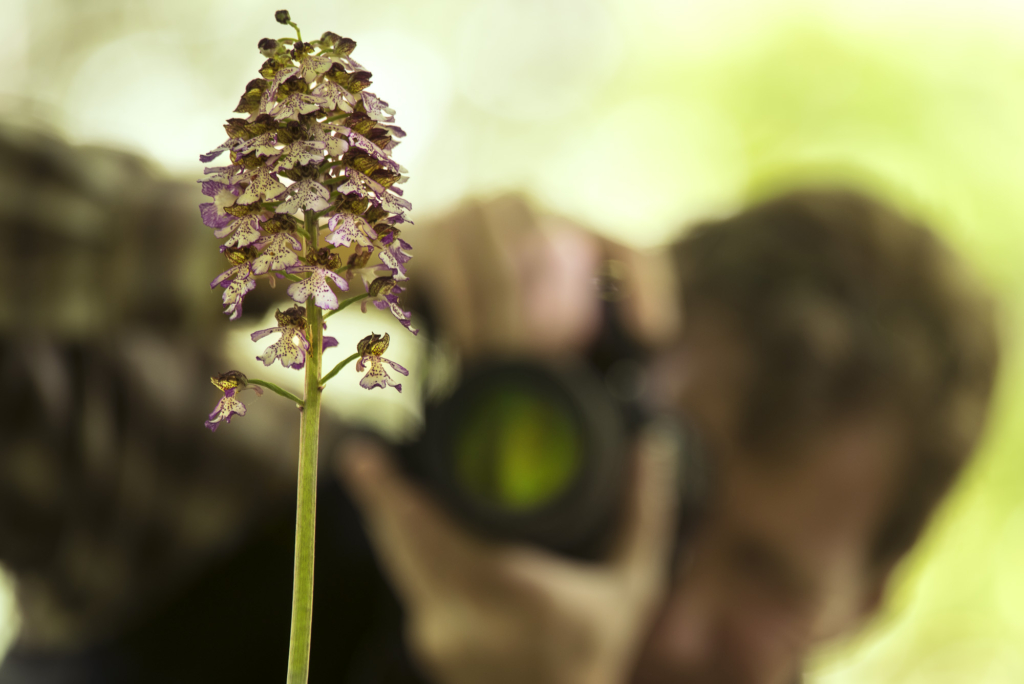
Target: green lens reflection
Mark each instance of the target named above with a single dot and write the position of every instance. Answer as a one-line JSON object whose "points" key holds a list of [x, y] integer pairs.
{"points": [[517, 449]]}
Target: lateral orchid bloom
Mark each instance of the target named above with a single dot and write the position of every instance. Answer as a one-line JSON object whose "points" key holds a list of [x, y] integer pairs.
{"points": [[291, 348], [384, 295], [293, 344], [231, 383], [370, 349], [238, 280], [322, 265]]}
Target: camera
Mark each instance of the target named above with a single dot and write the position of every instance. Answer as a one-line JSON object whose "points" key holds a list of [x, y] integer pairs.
{"points": [[540, 451]]}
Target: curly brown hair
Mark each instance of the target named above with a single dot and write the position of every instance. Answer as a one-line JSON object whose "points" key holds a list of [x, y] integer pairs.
{"points": [[844, 305]]}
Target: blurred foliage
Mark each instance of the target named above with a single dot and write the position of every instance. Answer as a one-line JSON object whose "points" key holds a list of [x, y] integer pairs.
{"points": [[637, 117]]}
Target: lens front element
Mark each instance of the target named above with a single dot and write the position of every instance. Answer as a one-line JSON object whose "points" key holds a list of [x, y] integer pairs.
{"points": [[517, 449]]}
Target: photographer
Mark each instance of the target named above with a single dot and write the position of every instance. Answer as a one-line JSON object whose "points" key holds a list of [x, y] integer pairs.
{"points": [[837, 367], [834, 364]]}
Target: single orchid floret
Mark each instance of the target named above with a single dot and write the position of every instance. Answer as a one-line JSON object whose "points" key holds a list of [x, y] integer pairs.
{"points": [[238, 280], [244, 230], [307, 195], [322, 265], [277, 253], [347, 228], [263, 185], [384, 293], [394, 251], [231, 383], [292, 347], [370, 349]]}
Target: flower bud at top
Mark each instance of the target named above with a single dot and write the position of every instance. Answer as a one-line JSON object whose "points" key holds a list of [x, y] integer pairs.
{"points": [[267, 46], [282, 16]]}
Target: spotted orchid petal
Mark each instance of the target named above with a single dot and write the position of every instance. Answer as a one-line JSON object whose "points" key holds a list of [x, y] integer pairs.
{"points": [[362, 143], [302, 153], [312, 66], [236, 286], [246, 231], [377, 375], [334, 96], [277, 253], [316, 286], [227, 407], [360, 183], [263, 186], [384, 293], [282, 75], [294, 105], [346, 228], [394, 253], [229, 175], [404, 317], [264, 144], [336, 146], [214, 216], [376, 108], [290, 349], [306, 194], [229, 144]]}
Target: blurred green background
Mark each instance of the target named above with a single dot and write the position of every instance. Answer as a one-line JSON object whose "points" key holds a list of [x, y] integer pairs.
{"points": [[638, 117]]}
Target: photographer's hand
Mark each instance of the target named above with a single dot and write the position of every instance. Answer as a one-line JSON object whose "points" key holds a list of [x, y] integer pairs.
{"points": [[481, 611]]}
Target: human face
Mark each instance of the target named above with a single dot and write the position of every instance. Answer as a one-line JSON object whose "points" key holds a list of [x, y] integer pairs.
{"points": [[781, 561]]}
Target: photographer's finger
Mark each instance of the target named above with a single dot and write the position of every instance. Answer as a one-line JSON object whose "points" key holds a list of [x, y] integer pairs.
{"points": [[419, 546], [647, 534]]}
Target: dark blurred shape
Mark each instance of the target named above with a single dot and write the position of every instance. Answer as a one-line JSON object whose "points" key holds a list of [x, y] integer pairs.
{"points": [[142, 545], [93, 239]]}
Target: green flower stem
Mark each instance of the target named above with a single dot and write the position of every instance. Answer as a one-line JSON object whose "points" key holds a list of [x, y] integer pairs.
{"points": [[305, 516], [337, 369], [350, 300], [274, 388]]}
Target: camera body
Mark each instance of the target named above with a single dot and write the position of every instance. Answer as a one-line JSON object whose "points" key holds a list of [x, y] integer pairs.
{"points": [[540, 452]]}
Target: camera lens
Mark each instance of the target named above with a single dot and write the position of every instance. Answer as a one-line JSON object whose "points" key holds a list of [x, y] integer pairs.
{"points": [[528, 452], [517, 448]]}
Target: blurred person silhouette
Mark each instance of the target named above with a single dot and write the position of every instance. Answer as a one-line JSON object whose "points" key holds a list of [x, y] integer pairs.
{"points": [[834, 361], [837, 364]]}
